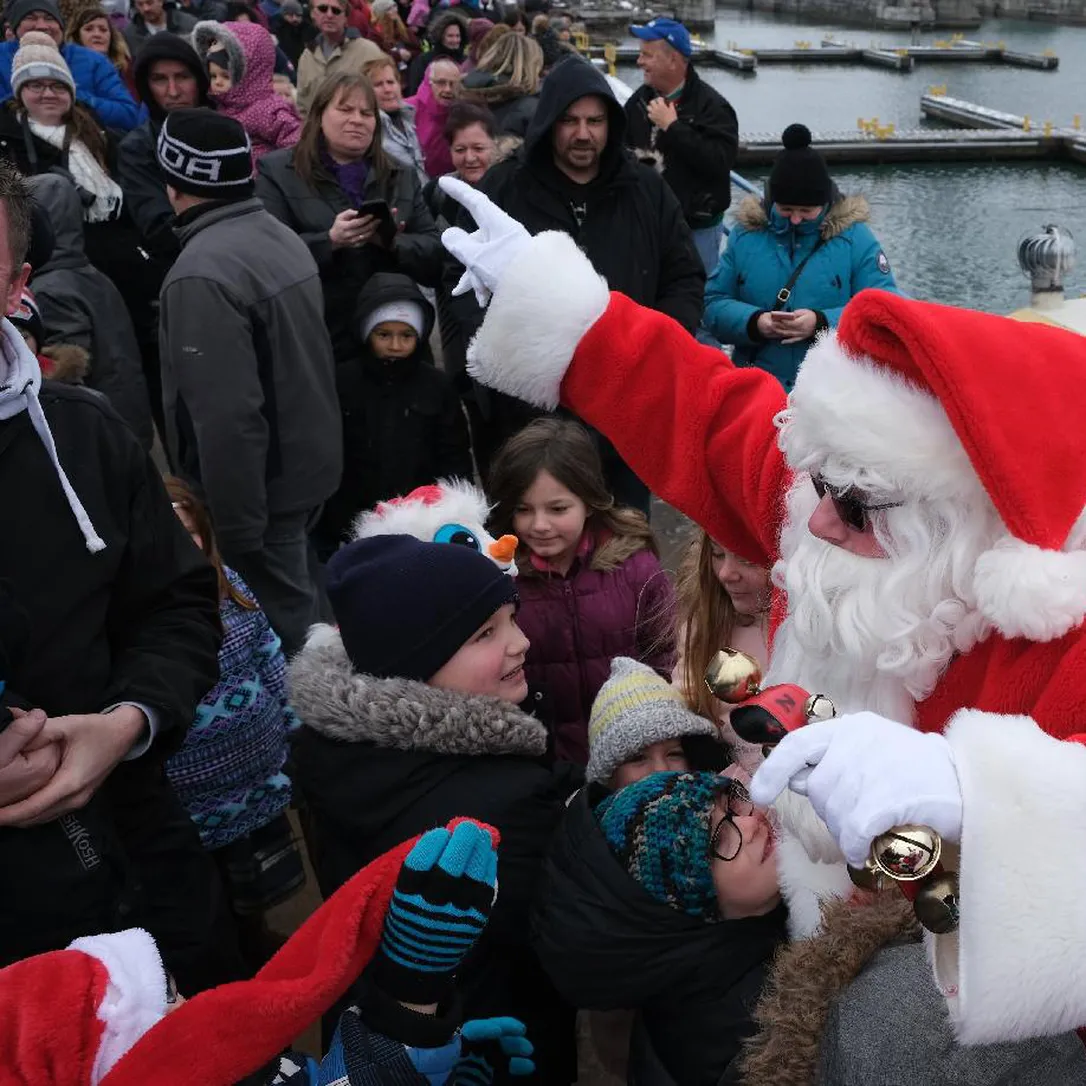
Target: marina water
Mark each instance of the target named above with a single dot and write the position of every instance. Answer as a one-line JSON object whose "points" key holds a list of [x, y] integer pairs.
{"points": [[950, 231]]}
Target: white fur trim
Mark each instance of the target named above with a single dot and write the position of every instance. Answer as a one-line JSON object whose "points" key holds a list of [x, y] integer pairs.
{"points": [[135, 997], [806, 884], [549, 296], [1017, 966], [322, 635], [1026, 591], [858, 421]]}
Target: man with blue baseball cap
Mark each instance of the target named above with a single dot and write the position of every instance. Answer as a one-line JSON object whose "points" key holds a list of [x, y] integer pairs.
{"points": [[687, 128]]}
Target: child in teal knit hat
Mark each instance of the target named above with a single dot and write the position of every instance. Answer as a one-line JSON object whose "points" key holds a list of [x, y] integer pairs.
{"points": [[695, 842]]}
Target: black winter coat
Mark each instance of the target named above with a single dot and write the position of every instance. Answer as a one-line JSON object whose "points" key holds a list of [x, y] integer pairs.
{"points": [[136, 622], [698, 151], [608, 945], [310, 212], [627, 221], [403, 425], [380, 760]]}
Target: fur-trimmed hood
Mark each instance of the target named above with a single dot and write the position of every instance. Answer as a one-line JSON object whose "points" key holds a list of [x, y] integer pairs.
{"points": [[844, 212], [250, 50], [807, 976], [403, 714]]}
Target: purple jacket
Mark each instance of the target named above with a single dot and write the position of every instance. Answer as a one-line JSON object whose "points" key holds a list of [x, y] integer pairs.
{"points": [[578, 623]]}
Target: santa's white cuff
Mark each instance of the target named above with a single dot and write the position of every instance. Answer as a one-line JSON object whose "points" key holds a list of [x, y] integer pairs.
{"points": [[548, 298], [1016, 967], [135, 997]]}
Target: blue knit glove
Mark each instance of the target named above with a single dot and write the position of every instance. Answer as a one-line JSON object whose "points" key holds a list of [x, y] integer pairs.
{"points": [[489, 1041], [441, 903]]}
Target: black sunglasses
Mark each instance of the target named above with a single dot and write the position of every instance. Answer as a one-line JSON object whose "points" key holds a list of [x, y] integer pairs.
{"points": [[329, 9], [850, 503]]}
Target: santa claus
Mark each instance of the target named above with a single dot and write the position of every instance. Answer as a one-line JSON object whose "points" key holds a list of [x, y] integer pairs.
{"points": [[921, 497]]}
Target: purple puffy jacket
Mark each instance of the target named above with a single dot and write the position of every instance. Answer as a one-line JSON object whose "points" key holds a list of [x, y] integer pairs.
{"points": [[577, 624]]}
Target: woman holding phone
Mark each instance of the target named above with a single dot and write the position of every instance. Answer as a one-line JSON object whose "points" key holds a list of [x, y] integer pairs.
{"points": [[793, 259], [359, 212]]}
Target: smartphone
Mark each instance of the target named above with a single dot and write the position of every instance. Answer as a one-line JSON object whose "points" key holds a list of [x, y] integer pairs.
{"points": [[386, 224]]}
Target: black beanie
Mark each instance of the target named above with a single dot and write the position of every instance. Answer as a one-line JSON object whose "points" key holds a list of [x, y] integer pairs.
{"points": [[18, 10], [405, 608], [799, 176], [205, 153]]}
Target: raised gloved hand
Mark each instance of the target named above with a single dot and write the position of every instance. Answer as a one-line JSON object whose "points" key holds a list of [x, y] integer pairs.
{"points": [[865, 774], [441, 903], [486, 251], [486, 1042]]}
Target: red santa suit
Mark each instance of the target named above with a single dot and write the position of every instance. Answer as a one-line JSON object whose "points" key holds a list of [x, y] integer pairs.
{"points": [[938, 402]]}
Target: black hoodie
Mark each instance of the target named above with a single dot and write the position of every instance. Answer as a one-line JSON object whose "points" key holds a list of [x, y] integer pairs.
{"points": [[627, 220], [607, 944], [137, 167], [402, 422]]}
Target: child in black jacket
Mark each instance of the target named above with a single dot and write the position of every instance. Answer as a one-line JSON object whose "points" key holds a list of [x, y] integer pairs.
{"points": [[403, 425]]}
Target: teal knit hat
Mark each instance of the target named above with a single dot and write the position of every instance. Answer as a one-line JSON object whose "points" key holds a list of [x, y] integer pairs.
{"points": [[659, 829]]}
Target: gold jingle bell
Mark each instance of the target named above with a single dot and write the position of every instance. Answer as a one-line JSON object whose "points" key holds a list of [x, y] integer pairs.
{"points": [[733, 676], [936, 903], [907, 853]]}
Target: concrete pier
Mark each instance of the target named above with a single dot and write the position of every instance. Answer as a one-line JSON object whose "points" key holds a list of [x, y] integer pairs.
{"points": [[967, 114]]}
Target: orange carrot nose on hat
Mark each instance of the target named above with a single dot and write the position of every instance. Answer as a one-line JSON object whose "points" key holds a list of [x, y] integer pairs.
{"points": [[502, 550]]}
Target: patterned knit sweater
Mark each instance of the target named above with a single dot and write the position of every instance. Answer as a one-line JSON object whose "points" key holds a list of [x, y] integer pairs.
{"points": [[229, 772]]}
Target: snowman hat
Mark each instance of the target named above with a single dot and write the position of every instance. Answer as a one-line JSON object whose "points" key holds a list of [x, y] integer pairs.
{"points": [[938, 402]]}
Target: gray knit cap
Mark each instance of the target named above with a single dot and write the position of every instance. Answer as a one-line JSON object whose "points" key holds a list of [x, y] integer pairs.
{"points": [[634, 709]]}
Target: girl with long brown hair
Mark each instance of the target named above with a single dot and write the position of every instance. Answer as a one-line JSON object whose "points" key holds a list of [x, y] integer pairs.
{"points": [[229, 773], [359, 212], [723, 603], [591, 584]]}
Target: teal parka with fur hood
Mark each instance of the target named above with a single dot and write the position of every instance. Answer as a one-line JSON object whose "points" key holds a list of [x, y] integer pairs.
{"points": [[763, 251]]}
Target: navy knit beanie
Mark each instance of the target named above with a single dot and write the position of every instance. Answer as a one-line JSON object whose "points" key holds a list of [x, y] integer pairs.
{"points": [[405, 608], [799, 176], [659, 828]]}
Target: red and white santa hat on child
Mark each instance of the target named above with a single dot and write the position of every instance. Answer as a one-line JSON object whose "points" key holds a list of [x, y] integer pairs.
{"points": [[94, 1013], [70, 1015], [936, 401]]}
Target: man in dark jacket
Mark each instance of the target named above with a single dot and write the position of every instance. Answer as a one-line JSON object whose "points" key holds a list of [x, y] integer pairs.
{"points": [[110, 633], [573, 174], [169, 76], [688, 127], [248, 380], [153, 17], [81, 307]]}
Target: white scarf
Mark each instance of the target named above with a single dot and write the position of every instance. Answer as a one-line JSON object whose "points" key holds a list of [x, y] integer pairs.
{"points": [[86, 171], [20, 380]]}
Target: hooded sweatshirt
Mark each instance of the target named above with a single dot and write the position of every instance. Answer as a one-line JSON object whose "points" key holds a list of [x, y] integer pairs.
{"points": [[430, 117], [271, 121], [137, 167]]}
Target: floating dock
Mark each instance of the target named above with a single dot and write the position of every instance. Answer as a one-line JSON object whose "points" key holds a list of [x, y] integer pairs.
{"points": [[832, 51], [941, 107]]}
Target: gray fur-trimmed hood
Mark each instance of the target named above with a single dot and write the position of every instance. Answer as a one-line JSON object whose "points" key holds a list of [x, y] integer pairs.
{"points": [[340, 703], [844, 212]]}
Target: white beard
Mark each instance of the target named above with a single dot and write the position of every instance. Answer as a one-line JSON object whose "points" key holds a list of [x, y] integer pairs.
{"points": [[871, 634]]}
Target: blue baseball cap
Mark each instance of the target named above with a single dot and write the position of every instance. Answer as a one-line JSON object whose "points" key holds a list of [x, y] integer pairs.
{"points": [[669, 30]]}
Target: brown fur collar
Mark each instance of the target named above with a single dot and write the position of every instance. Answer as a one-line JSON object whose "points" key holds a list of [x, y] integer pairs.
{"points": [[71, 364], [805, 979], [843, 213]]}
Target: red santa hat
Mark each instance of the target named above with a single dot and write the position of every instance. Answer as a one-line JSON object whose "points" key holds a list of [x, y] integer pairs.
{"points": [[84, 1015], [939, 401]]}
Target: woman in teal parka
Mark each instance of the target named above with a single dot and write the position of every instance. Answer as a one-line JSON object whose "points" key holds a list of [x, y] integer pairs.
{"points": [[802, 216]]}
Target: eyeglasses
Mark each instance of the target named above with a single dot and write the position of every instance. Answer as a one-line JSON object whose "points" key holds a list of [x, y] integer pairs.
{"points": [[329, 9], [851, 504], [445, 84], [42, 86], [726, 840]]}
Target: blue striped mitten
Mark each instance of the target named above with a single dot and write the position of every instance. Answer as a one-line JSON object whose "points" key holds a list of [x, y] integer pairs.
{"points": [[441, 903]]}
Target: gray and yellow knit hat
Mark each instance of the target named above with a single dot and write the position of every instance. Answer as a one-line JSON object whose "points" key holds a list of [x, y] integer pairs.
{"points": [[634, 709]]}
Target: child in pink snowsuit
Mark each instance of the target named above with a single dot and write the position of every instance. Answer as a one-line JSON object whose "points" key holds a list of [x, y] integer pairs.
{"points": [[270, 120]]}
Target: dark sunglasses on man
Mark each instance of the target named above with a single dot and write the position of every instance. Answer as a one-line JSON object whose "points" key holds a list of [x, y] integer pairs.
{"points": [[329, 9], [852, 505]]}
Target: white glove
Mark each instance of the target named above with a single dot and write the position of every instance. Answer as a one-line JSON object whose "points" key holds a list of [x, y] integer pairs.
{"points": [[869, 774], [487, 251]]}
